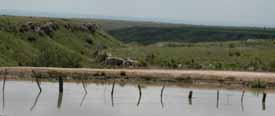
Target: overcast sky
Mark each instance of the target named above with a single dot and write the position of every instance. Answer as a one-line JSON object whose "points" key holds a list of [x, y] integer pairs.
{"points": [[208, 12]]}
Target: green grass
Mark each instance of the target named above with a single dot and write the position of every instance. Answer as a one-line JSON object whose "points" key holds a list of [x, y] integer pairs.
{"points": [[76, 49], [257, 55], [17, 50]]}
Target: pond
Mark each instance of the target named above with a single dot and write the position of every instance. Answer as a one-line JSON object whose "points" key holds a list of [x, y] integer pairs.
{"points": [[22, 98]]}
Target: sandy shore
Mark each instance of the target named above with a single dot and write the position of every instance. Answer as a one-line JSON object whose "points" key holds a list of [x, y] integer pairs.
{"points": [[148, 74]]}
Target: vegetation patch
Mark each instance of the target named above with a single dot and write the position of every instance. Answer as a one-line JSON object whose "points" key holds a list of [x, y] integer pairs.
{"points": [[258, 84]]}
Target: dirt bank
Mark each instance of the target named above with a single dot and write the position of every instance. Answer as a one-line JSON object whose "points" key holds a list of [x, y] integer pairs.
{"points": [[194, 76]]}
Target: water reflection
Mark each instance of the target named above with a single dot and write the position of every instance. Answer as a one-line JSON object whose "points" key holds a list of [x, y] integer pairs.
{"points": [[161, 96], [36, 100], [112, 93], [59, 102], [151, 97], [85, 94], [140, 93], [3, 93], [218, 99], [263, 101], [242, 98]]}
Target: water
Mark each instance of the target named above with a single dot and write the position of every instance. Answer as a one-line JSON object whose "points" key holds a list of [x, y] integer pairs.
{"points": [[22, 98]]}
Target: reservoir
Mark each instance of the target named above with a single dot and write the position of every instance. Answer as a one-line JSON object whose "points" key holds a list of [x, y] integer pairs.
{"points": [[22, 98]]}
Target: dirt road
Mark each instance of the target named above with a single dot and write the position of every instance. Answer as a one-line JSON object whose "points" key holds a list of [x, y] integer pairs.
{"points": [[151, 74]]}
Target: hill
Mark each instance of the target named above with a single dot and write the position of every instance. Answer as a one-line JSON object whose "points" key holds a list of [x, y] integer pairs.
{"points": [[49, 42], [153, 32]]}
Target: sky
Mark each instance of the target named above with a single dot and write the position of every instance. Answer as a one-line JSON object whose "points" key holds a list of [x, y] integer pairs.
{"points": [[260, 13]]}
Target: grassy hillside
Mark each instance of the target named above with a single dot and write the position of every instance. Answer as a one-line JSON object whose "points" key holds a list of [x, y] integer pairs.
{"points": [[28, 41], [252, 55], [151, 32], [48, 42], [149, 35]]}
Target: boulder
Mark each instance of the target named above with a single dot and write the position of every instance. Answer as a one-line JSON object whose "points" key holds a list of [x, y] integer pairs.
{"points": [[130, 62]]}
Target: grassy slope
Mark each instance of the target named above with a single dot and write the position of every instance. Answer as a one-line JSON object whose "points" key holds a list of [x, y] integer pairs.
{"points": [[150, 32], [234, 55], [16, 50]]}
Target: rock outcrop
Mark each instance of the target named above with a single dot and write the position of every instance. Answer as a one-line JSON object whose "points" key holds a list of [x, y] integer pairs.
{"points": [[43, 29], [82, 27], [49, 28]]}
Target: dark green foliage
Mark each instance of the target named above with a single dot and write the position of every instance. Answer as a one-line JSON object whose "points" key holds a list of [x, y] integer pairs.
{"points": [[150, 35]]}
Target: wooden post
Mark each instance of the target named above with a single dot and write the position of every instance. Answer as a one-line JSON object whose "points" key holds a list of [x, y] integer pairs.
{"points": [[113, 88], [190, 95], [34, 75], [5, 77], [60, 84], [264, 98], [140, 93], [84, 87], [38, 84]]}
